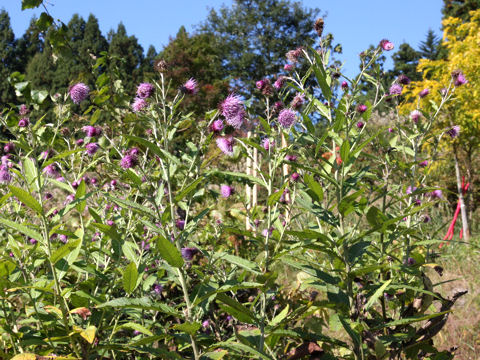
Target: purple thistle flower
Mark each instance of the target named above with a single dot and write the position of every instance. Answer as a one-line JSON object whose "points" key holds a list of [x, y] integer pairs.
{"points": [[278, 106], [180, 224], [79, 92], [190, 87], [33, 241], [427, 219], [157, 288], [288, 67], [226, 145], [360, 125], [139, 104], [63, 238], [297, 101], [69, 199], [410, 190], [233, 111], [443, 91], [454, 131], [5, 176], [458, 78], [217, 126], [395, 89], [294, 55], [92, 148], [23, 110], [287, 118], [51, 170], [386, 45], [260, 84], [390, 130], [24, 122], [415, 115], [295, 176], [424, 92], [226, 191], [110, 222], [291, 158], [403, 79], [423, 163], [267, 144], [410, 261], [188, 253], [79, 142], [436, 194], [128, 161], [92, 131], [9, 147], [278, 84], [344, 85], [145, 90], [205, 323], [362, 108]]}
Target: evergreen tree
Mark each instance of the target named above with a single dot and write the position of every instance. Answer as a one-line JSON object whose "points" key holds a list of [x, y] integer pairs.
{"points": [[430, 47], [147, 65], [7, 58], [199, 57], [127, 57], [254, 36], [459, 8], [405, 62], [30, 44]]}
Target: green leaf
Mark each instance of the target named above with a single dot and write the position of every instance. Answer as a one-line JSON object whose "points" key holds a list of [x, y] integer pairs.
{"points": [[31, 4], [135, 326], [153, 147], [131, 204], [188, 327], [316, 189], [6, 268], [80, 193], [243, 263], [377, 294], [143, 303], [375, 217], [188, 189], [169, 252], [273, 198], [239, 310], [411, 320], [345, 151], [39, 96], [280, 317], [30, 171], [241, 348], [22, 228], [64, 250], [130, 276], [26, 199], [252, 179]]}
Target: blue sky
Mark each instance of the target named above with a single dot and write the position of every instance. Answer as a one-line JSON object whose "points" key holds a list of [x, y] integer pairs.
{"points": [[355, 24]]}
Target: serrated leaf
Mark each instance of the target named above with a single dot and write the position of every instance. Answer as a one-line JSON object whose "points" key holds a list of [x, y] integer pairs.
{"points": [[377, 294], [129, 279], [22, 228], [64, 250], [26, 199], [169, 252], [188, 327], [135, 326], [315, 187]]}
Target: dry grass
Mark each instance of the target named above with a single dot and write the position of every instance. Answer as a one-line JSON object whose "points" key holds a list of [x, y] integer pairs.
{"points": [[461, 262]]}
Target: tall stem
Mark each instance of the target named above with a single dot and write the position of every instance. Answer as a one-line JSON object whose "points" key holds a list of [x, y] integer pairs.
{"points": [[463, 208]]}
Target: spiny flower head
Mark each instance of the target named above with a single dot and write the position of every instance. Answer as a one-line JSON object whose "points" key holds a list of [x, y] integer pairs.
{"points": [[91, 131], [23, 110], [128, 161], [360, 125], [344, 85], [267, 144], [226, 191], [190, 87], [318, 26], [217, 126], [92, 148], [139, 104], [51, 170], [79, 92], [415, 115], [24, 122], [454, 131], [298, 101], [278, 84], [226, 145], [8, 147], [386, 45], [5, 176], [145, 90], [403, 79], [362, 108], [395, 89], [287, 118], [294, 55], [233, 111], [288, 67], [458, 78], [188, 253], [424, 92]]}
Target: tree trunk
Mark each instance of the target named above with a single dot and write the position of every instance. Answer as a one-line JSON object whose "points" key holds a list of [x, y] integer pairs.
{"points": [[463, 209]]}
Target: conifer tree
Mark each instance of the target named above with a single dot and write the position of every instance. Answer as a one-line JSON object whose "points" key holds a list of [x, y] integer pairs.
{"points": [[7, 58]]}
